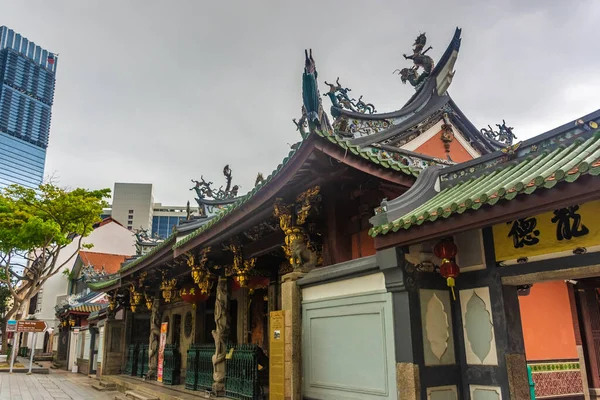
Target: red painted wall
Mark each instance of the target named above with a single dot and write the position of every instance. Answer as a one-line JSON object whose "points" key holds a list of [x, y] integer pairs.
{"points": [[547, 322], [363, 245], [435, 147]]}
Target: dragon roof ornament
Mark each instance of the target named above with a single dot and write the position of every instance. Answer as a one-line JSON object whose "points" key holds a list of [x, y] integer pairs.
{"points": [[208, 197], [340, 99], [420, 60], [503, 135]]}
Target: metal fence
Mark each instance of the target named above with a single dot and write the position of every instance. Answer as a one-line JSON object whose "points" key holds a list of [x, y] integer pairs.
{"points": [[241, 373], [142, 361], [199, 370], [171, 365], [132, 357]]}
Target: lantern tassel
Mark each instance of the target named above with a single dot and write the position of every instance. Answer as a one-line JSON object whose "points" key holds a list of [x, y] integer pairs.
{"points": [[450, 283]]}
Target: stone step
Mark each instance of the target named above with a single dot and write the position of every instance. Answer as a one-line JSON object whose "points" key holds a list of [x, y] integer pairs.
{"points": [[121, 397], [130, 394], [104, 386]]}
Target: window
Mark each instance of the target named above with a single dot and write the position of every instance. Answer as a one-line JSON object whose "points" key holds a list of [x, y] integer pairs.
{"points": [[130, 217], [130, 211], [33, 304]]}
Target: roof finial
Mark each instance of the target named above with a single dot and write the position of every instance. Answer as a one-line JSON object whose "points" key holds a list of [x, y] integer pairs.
{"points": [[312, 111], [420, 60]]}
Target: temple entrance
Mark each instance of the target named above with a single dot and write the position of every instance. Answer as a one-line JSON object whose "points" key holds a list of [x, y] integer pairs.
{"points": [[63, 345], [560, 324], [93, 351]]}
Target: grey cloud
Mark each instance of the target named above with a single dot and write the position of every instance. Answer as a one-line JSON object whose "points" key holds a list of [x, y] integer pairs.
{"points": [[157, 91]]}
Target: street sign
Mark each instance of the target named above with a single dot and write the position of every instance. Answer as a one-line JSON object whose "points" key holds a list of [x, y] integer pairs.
{"points": [[11, 325], [31, 326]]}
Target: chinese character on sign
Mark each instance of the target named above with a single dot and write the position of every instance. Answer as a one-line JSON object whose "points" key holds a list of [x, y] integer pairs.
{"points": [[192, 291], [183, 292], [523, 232], [568, 223]]}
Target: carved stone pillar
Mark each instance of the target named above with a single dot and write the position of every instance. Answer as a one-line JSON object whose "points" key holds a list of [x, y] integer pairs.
{"points": [[291, 302], [242, 318], [155, 321], [220, 335]]}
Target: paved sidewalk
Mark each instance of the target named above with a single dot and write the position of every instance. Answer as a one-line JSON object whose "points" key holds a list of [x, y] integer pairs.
{"points": [[56, 385]]}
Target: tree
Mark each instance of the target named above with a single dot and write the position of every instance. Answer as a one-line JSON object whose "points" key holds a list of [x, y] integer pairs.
{"points": [[36, 225]]}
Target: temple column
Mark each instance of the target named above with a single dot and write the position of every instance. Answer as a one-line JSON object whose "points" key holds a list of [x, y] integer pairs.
{"points": [[220, 335], [291, 301], [391, 262], [590, 319], [155, 322], [242, 315], [579, 341], [516, 362]]}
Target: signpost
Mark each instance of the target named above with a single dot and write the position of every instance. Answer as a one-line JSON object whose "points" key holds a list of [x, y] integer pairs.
{"points": [[33, 326], [11, 326]]}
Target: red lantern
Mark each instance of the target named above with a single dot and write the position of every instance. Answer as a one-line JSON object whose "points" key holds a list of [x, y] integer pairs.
{"points": [[191, 294], [258, 282], [450, 270], [253, 282], [445, 250]]}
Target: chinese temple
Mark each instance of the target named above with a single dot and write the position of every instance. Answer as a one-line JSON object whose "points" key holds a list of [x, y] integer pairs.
{"points": [[397, 255]]}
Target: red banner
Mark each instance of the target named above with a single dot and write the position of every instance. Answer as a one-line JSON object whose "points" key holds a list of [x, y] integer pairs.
{"points": [[161, 350]]}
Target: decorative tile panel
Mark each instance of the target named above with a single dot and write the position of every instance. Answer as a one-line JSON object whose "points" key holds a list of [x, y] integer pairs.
{"points": [[479, 392], [479, 338], [442, 393], [557, 378], [436, 319]]}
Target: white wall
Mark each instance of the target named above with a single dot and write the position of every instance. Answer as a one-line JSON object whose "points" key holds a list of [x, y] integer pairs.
{"points": [[348, 340], [110, 238]]}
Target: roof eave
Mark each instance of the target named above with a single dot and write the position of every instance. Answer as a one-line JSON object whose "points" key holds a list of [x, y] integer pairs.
{"points": [[586, 188]]}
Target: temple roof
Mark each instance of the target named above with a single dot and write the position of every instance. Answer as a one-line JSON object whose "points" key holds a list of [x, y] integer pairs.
{"points": [[430, 103], [109, 263], [561, 155]]}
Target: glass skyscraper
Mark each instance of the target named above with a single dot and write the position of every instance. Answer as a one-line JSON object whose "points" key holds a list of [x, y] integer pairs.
{"points": [[27, 77]]}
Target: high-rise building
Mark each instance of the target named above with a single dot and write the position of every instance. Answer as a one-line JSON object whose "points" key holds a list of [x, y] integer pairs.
{"points": [[133, 206], [27, 78]]}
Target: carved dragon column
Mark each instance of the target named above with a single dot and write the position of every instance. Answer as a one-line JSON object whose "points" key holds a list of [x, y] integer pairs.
{"points": [[155, 321], [220, 335]]}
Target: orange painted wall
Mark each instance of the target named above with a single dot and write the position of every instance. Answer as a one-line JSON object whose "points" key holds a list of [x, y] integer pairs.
{"points": [[435, 147], [547, 323]]}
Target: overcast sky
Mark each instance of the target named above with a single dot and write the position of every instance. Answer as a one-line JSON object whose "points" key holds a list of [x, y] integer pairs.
{"points": [[164, 91]]}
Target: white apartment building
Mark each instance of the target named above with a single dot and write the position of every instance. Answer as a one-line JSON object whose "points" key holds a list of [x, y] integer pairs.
{"points": [[108, 237], [133, 206]]}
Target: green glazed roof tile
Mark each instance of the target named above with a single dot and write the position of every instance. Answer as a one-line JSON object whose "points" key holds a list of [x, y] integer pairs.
{"points": [[510, 180], [372, 154], [102, 284]]}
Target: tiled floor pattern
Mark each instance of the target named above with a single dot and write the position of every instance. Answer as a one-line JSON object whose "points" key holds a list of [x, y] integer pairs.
{"points": [[56, 385]]}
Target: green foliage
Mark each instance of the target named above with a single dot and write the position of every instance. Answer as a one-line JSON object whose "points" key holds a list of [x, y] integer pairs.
{"points": [[36, 225], [48, 216]]}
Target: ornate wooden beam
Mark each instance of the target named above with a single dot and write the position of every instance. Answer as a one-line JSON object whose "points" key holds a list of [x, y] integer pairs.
{"points": [[264, 245]]}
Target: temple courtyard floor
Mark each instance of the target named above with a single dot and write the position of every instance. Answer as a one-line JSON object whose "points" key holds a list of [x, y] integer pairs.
{"points": [[55, 385]]}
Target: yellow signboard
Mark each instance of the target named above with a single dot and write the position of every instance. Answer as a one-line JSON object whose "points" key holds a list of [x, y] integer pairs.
{"points": [[277, 355], [564, 229]]}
